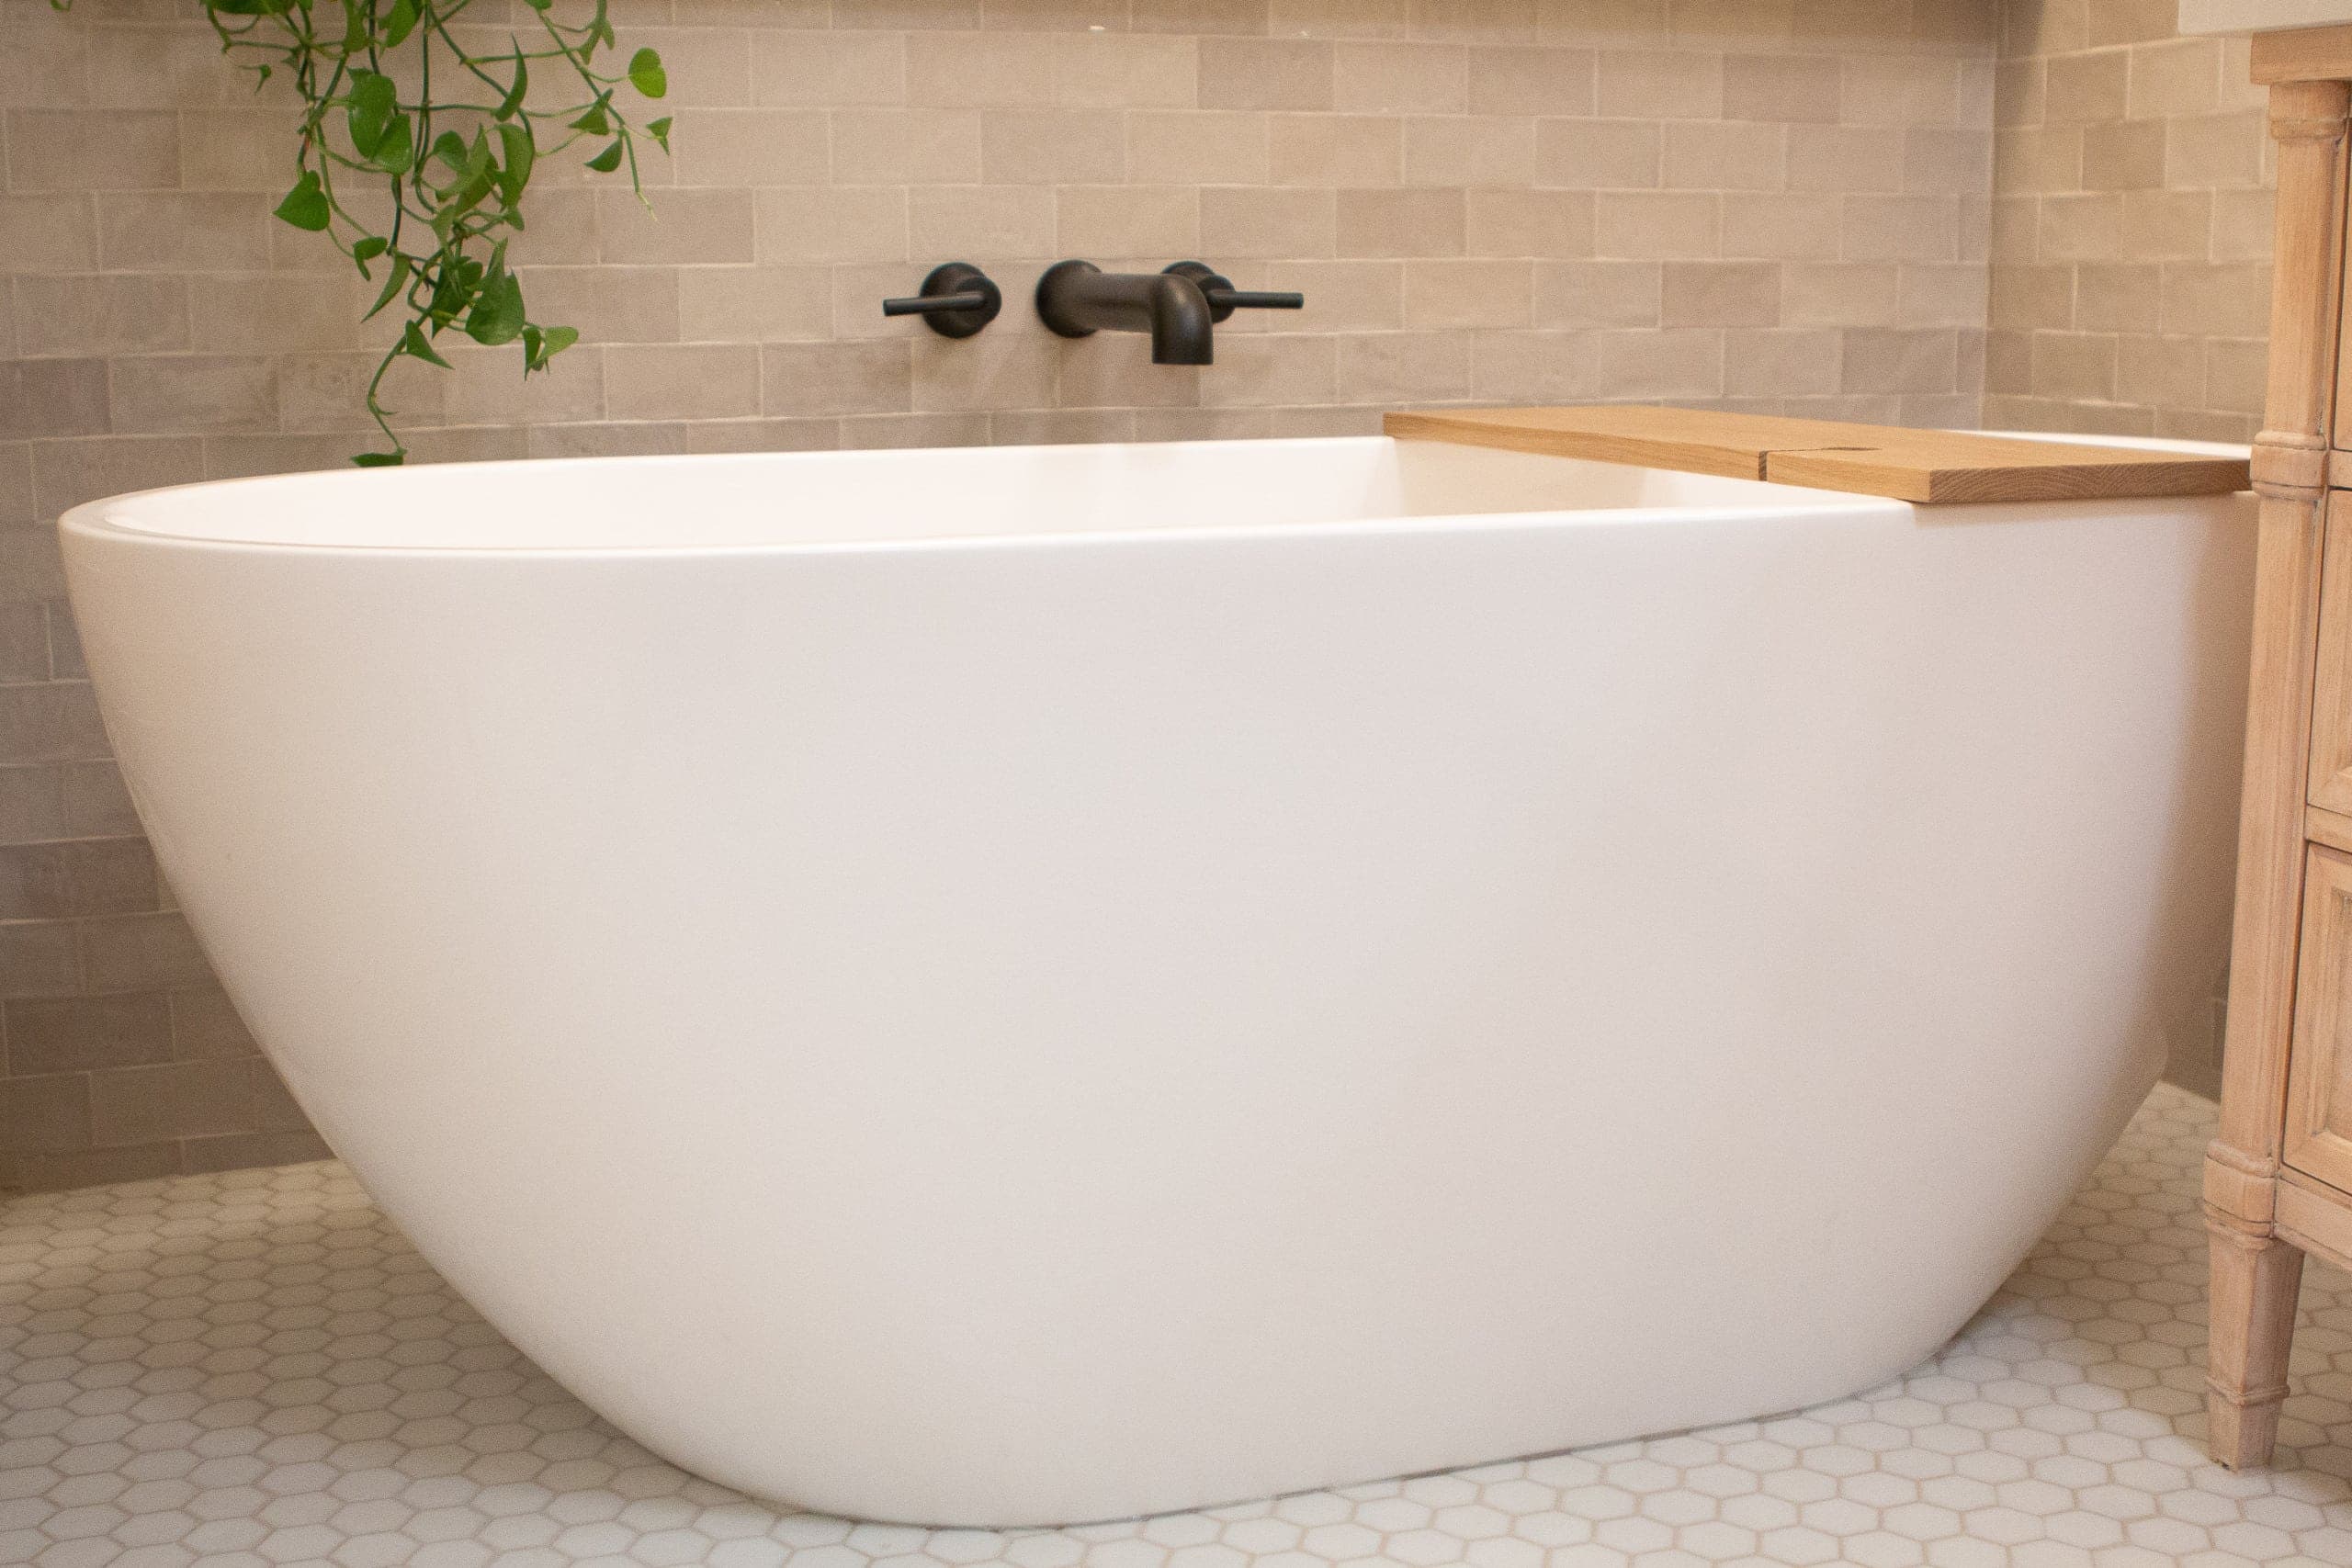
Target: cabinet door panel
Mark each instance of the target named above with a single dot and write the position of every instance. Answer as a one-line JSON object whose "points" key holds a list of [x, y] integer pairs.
{"points": [[2319, 1072], [2329, 785]]}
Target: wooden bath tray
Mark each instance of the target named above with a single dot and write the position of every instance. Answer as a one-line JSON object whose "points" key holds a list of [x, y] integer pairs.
{"points": [[1934, 466]]}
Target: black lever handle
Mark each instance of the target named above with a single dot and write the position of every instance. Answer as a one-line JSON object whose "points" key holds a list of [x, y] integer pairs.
{"points": [[928, 304], [1224, 299], [957, 299], [1255, 299]]}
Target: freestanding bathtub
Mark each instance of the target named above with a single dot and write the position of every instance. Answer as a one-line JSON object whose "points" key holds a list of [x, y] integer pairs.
{"points": [[1038, 984]]}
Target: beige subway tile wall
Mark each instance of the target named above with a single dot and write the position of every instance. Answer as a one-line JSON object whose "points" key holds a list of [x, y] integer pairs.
{"points": [[2130, 226], [1772, 204]]}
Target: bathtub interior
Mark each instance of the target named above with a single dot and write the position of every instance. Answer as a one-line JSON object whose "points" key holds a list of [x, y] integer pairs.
{"points": [[882, 497]]}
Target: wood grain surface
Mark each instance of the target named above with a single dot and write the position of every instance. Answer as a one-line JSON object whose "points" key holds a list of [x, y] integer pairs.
{"points": [[1933, 467]]}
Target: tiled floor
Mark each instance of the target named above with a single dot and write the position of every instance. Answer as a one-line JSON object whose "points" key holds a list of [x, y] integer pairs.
{"points": [[255, 1369]]}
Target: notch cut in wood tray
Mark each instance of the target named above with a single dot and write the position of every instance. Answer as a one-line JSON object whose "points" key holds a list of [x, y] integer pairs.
{"points": [[1933, 467]]}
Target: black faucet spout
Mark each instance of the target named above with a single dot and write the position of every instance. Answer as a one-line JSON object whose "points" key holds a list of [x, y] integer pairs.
{"points": [[1078, 299], [1180, 322]]}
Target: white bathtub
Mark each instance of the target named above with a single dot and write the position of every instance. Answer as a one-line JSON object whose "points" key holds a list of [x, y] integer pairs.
{"points": [[1024, 986]]}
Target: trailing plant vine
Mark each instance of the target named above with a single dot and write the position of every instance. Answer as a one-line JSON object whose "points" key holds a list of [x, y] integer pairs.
{"points": [[415, 153]]}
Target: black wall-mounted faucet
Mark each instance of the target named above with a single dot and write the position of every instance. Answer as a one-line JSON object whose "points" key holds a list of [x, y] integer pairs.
{"points": [[1179, 307]]}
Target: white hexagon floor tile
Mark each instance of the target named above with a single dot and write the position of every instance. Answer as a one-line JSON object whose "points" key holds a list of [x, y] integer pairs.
{"points": [[255, 1369]]}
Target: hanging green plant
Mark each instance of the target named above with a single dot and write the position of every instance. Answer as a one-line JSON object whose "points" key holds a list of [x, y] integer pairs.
{"points": [[435, 145]]}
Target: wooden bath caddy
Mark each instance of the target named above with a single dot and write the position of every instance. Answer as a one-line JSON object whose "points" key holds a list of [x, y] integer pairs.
{"points": [[1933, 465]]}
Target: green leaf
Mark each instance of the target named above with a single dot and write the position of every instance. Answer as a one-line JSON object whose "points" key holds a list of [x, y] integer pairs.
{"points": [[660, 130], [593, 121], [372, 103], [368, 249], [462, 199], [396, 151], [305, 206], [514, 98], [520, 152], [380, 459], [450, 149], [400, 23], [604, 163], [645, 74], [414, 343], [497, 315], [454, 289], [393, 283], [543, 343]]}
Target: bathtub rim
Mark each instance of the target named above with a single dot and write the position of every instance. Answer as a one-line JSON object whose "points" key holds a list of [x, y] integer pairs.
{"points": [[95, 518], [1359, 528]]}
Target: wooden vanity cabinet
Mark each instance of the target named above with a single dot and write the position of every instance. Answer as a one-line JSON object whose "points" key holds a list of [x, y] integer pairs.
{"points": [[2278, 1178]]}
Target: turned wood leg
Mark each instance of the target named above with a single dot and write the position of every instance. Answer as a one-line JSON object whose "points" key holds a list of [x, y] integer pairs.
{"points": [[2256, 1276]]}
